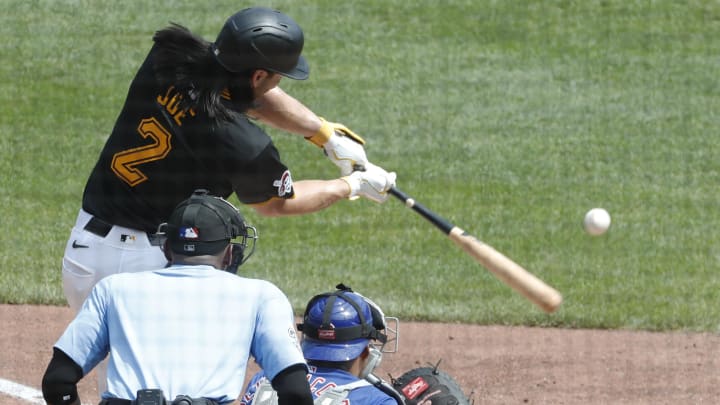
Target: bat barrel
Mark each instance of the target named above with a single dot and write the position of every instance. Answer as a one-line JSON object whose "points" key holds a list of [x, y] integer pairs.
{"points": [[509, 272]]}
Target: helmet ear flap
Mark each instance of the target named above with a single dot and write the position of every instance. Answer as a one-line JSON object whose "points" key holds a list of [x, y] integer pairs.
{"points": [[378, 318]]}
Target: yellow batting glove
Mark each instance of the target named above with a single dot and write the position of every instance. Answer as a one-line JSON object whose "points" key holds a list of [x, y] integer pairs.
{"points": [[328, 129], [345, 131], [341, 145]]}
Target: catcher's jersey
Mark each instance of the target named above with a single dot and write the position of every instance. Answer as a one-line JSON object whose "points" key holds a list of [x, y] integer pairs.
{"points": [[321, 380], [158, 154], [187, 330]]}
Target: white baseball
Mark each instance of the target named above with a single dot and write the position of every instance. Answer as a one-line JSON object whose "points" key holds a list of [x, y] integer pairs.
{"points": [[597, 221]]}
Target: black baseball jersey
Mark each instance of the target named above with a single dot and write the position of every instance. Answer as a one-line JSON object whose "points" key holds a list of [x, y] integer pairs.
{"points": [[157, 154]]}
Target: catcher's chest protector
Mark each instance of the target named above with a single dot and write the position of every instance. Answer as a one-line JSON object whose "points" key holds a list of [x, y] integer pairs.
{"points": [[266, 395]]}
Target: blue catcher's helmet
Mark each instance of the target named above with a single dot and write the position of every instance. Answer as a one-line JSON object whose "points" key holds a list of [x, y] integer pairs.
{"points": [[338, 326]]}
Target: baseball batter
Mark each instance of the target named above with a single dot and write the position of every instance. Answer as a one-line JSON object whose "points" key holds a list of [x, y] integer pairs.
{"points": [[188, 123]]}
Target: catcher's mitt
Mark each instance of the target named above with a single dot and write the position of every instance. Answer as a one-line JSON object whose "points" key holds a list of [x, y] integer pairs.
{"points": [[429, 386]]}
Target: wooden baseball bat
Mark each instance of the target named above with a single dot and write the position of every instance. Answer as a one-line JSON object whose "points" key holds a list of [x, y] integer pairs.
{"points": [[509, 272]]}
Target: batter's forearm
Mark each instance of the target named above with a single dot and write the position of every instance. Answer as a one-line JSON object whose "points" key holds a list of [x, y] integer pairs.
{"points": [[280, 110], [310, 196]]}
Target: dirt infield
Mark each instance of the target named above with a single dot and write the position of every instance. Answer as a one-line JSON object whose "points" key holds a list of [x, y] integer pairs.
{"points": [[499, 365]]}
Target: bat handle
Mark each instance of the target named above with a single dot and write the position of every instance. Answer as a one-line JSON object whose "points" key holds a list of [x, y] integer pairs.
{"points": [[441, 223], [399, 194]]}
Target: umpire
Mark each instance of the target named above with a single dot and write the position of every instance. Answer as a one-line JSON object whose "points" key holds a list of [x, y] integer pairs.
{"points": [[187, 330]]}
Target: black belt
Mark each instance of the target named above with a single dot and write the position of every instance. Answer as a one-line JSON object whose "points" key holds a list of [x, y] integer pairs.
{"points": [[115, 401], [180, 400], [102, 229], [98, 227]]}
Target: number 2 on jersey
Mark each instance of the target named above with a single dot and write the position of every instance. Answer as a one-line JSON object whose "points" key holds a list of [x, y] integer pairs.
{"points": [[124, 164]]}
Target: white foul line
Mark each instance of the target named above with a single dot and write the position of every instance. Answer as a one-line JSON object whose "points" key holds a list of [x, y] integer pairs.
{"points": [[14, 389]]}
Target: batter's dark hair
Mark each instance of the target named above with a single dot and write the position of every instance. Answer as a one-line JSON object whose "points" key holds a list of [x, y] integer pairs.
{"points": [[185, 60]]}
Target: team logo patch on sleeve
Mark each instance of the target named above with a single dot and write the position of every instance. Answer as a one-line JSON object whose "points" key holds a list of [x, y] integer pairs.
{"points": [[294, 338], [284, 185]]}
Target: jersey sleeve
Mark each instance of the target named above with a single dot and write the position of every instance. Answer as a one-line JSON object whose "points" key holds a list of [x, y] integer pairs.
{"points": [[250, 162], [86, 338], [263, 178], [275, 345]]}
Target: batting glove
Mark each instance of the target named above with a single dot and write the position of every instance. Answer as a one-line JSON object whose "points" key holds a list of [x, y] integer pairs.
{"points": [[341, 145], [373, 183]]}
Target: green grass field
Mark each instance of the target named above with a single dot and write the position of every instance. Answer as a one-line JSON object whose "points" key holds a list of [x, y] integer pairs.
{"points": [[510, 118]]}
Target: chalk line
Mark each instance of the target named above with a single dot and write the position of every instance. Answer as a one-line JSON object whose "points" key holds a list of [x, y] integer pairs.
{"points": [[31, 395]]}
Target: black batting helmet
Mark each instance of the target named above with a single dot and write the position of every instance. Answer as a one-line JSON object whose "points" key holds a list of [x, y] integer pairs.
{"points": [[262, 38]]}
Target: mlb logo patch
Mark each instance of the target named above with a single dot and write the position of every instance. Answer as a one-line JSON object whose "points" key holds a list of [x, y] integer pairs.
{"points": [[190, 233], [127, 238]]}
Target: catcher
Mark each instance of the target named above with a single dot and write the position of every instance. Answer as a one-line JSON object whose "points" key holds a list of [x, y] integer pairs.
{"points": [[344, 336]]}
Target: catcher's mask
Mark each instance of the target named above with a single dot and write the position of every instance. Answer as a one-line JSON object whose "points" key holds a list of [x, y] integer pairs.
{"points": [[339, 325], [204, 225], [261, 38]]}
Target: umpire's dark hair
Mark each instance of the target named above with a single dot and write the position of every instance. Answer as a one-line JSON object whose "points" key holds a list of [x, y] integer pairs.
{"points": [[185, 60]]}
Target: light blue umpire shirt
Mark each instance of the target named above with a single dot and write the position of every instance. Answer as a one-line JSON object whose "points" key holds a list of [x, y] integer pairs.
{"points": [[188, 330]]}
